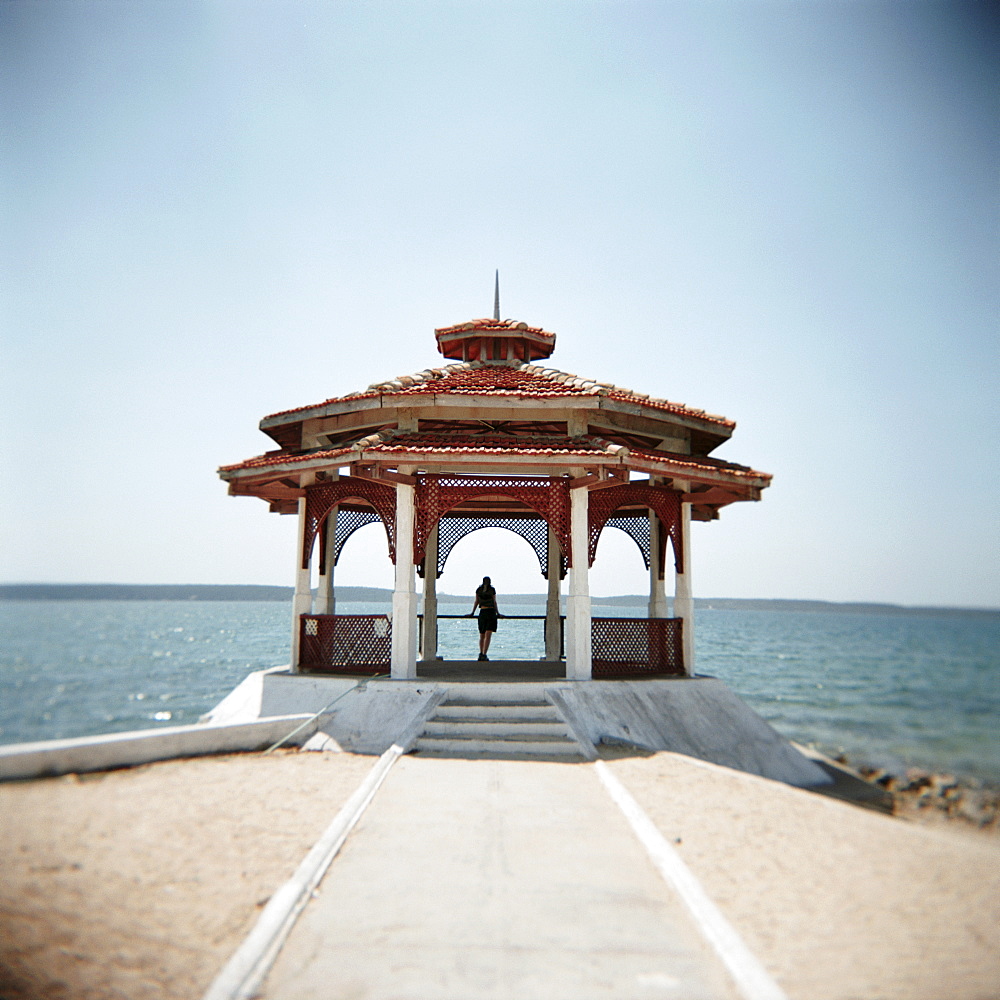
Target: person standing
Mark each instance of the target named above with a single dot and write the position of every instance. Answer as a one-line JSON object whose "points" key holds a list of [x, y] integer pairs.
{"points": [[486, 601]]}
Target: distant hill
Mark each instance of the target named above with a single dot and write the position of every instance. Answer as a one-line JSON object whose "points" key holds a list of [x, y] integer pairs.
{"points": [[141, 592], [250, 592]]}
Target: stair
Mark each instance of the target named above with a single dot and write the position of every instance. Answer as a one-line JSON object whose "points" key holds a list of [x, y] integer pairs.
{"points": [[483, 721]]}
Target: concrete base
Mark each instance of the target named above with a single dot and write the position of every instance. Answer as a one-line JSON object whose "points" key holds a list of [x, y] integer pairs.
{"points": [[362, 716], [699, 717]]}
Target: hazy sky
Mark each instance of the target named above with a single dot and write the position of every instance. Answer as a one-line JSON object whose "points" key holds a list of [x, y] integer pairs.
{"points": [[786, 213]]}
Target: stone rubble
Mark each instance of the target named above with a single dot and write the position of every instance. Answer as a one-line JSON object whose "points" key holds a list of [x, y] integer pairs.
{"points": [[927, 795]]}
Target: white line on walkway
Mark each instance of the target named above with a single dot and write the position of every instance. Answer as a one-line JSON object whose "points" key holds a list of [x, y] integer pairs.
{"points": [[752, 980], [245, 971]]}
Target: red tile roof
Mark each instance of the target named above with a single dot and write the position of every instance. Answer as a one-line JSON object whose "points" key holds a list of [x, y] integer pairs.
{"points": [[697, 463], [498, 325], [512, 380], [395, 443], [273, 458], [520, 444]]}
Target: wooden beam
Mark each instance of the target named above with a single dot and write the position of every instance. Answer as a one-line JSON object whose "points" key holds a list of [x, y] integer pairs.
{"points": [[610, 477], [714, 495], [600, 478], [377, 475]]}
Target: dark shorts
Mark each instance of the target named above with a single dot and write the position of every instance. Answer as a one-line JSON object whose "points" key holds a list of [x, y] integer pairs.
{"points": [[487, 621]]}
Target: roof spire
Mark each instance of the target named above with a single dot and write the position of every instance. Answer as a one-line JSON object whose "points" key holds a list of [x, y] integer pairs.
{"points": [[496, 297]]}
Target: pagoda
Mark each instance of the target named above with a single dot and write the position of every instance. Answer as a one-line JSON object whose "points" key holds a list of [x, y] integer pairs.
{"points": [[494, 437]]}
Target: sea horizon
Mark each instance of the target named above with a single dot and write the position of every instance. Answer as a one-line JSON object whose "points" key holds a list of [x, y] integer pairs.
{"points": [[890, 690], [44, 591]]}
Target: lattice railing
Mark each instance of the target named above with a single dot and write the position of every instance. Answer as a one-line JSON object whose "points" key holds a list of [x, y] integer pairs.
{"points": [[636, 647], [345, 644]]}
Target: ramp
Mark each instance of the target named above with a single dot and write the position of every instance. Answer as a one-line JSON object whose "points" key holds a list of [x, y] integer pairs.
{"points": [[495, 879]]}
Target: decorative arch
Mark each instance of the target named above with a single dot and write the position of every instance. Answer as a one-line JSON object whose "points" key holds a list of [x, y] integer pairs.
{"points": [[451, 530], [348, 521], [323, 497], [437, 494], [665, 503], [637, 528]]}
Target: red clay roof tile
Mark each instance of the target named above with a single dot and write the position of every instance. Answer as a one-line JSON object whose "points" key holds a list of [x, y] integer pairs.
{"points": [[518, 381]]}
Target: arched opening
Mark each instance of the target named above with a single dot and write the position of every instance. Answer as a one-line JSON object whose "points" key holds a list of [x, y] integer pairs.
{"points": [[349, 539], [619, 571], [512, 564], [364, 563]]}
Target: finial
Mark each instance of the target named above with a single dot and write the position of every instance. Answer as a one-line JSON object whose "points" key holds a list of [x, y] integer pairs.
{"points": [[496, 298]]}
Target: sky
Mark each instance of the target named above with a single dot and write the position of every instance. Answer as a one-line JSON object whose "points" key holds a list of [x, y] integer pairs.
{"points": [[783, 212]]}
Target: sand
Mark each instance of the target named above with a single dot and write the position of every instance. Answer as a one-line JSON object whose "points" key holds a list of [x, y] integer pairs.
{"points": [[838, 902], [140, 883]]}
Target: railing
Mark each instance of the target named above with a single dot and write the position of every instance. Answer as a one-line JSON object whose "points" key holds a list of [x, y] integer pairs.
{"points": [[636, 647], [530, 618], [345, 644], [621, 647]]}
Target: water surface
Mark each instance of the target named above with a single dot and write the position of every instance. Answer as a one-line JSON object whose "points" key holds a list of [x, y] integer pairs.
{"points": [[894, 690]]}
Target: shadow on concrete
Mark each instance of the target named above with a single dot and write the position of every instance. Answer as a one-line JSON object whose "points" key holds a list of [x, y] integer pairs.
{"points": [[491, 671], [849, 786]]}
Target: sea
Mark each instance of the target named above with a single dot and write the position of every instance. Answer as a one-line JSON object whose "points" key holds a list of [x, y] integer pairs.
{"points": [[890, 690]]}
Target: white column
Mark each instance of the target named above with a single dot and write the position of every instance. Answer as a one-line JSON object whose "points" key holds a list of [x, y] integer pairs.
{"points": [[657, 584], [404, 596], [683, 601], [552, 604], [326, 603], [302, 601], [579, 666], [430, 644]]}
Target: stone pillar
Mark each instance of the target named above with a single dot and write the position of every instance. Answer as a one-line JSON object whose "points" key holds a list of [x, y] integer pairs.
{"points": [[553, 647], [429, 646], [579, 666], [683, 600], [302, 601], [657, 584], [404, 595], [326, 602]]}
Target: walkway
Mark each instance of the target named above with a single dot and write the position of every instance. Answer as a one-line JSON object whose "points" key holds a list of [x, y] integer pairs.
{"points": [[495, 880]]}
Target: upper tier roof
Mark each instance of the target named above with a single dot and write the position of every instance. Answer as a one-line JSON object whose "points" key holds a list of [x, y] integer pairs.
{"points": [[494, 340], [513, 381]]}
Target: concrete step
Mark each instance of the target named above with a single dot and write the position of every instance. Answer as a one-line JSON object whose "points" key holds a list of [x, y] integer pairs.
{"points": [[536, 747], [498, 713], [491, 721], [469, 693], [476, 728]]}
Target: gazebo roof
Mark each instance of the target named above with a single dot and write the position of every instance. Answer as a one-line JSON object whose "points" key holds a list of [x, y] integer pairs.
{"points": [[505, 416], [516, 381]]}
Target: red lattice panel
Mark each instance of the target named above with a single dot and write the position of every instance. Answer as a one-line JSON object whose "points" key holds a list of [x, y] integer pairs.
{"points": [[345, 644], [451, 530], [438, 494], [665, 503], [636, 647], [323, 497]]}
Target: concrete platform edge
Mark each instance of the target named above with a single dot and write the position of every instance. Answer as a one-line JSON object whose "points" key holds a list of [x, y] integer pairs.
{"points": [[107, 751]]}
